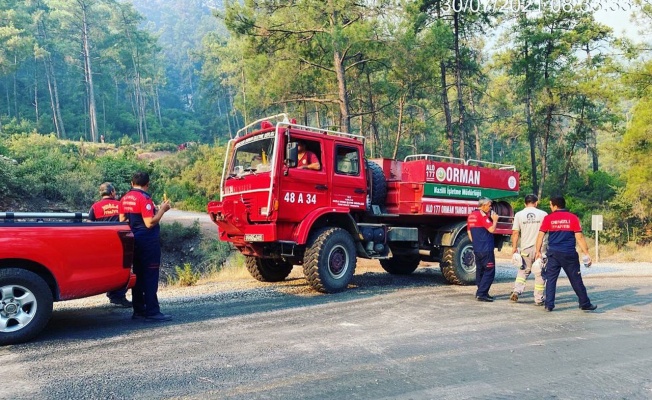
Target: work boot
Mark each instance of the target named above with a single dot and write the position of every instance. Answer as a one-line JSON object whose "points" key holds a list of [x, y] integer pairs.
{"points": [[160, 317], [123, 302], [514, 297], [138, 316]]}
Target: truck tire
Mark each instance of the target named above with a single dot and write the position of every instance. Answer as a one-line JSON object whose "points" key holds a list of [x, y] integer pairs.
{"points": [[401, 265], [378, 184], [458, 262], [25, 305], [268, 270], [329, 260]]}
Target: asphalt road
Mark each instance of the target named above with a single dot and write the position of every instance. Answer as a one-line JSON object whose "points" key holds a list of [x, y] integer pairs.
{"points": [[410, 337]]}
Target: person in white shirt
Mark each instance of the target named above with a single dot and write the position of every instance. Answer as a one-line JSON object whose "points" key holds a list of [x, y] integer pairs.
{"points": [[526, 224]]}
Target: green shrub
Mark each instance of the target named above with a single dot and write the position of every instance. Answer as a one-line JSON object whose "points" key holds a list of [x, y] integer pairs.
{"points": [[69, 172], [119, 168], [126, 141], [192, 177], [41, 164], [79, 188], [173, 235], [215, 253], [17, 126], [184, 276], [192, 203], [160, 147], [9, 183]]}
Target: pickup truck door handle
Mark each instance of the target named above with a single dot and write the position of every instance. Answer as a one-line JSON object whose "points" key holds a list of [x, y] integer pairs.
{"points": [[321, 187], [359, 191]]}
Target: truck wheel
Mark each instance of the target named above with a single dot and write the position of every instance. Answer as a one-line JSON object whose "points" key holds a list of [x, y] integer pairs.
{"points": [[458, 262], [25, 305], [268, 270], [401, 265], [329, 260], [378, 184]]}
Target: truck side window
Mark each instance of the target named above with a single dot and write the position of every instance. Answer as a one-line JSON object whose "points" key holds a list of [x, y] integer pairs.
{"points": [[347, 160], [309, 154]]}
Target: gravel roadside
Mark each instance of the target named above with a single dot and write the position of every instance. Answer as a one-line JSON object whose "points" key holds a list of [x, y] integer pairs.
{"points": [[369, 274]]}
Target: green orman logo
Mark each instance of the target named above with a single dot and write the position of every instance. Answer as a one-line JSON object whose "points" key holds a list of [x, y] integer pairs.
{"points": [[440, 174]]}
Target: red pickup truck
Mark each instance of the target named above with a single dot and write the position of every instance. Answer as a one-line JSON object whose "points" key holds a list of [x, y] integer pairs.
{"points": [[47, 257]]}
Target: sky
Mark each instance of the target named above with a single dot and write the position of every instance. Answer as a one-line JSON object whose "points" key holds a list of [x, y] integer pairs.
{"points": [[609, 12], [620, 22]]}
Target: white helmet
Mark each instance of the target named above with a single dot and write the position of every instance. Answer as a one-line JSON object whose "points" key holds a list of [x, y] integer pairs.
{"points": [[517, 260], [537, 264]]}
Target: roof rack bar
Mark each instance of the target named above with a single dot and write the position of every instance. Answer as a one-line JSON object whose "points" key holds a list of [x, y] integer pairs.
{"points": [[57, 215], [244, 130], [433, 156], [323, 131], [489, 163]]}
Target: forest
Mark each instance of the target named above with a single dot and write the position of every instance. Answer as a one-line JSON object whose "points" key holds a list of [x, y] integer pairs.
{"points": [[87, 86]]}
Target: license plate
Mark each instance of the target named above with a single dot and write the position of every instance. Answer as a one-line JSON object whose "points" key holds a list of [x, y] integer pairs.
{"points": [[254, 237]]}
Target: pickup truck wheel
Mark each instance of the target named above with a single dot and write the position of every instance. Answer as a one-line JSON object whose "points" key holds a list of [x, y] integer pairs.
{"points": [[25, 305], [329, 260], [268, 270], [458, 262], [401, 265]]}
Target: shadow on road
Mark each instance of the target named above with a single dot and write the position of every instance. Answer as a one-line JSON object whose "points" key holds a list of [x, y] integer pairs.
{"points": [[608, 300], [605, 299], [103, 322], [106, 322]]}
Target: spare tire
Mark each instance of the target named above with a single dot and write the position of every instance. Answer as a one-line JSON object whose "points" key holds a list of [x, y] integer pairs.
{"points": [[378, 183]]}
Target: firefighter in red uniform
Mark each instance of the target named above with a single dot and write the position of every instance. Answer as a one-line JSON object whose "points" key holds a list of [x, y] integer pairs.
{"points": [[137, 207], [307, 159], [107, 209], [480, 225], [564, 232]]}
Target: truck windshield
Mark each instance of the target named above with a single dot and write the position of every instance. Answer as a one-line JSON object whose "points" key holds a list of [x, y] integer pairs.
{"points": [[253, 155]]}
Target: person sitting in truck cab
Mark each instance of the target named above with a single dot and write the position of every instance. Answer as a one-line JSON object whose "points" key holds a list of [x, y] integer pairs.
{"points": [[307, 159], [256, 161]]}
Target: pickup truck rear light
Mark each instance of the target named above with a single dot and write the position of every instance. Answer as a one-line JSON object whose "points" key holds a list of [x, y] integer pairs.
{"points": [[127, 240]]}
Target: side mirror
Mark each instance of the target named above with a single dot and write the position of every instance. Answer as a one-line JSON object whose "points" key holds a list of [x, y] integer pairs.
{"points": [[291, 155]]}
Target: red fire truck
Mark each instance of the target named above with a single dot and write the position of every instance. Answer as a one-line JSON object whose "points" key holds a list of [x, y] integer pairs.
{"points": [[399, 212]]}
